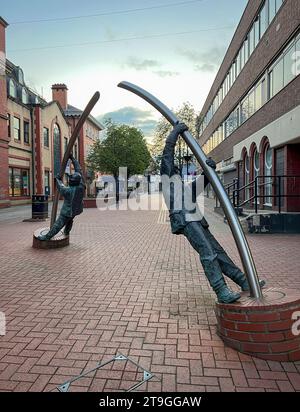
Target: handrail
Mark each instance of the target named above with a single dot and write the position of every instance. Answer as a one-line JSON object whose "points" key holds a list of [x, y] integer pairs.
{"points": [[256, 184]]}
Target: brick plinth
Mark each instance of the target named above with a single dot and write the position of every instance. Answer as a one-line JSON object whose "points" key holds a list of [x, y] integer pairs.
{"points": [[58, 241], [263, 328]]}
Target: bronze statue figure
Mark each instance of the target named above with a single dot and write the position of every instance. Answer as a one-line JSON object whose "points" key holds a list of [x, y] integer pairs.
{"points": [[73, 201], [214, 259]]}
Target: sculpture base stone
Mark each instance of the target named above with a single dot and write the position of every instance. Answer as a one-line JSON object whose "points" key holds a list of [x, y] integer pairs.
{"points": [[58, 241], [262, 328]]}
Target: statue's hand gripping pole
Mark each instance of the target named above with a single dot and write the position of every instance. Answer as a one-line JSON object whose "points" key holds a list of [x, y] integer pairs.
{"points": [[69, 149], [237, 231]]}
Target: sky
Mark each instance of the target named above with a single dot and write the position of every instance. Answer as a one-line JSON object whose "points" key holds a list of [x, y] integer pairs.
{"points": [[172, 48]]}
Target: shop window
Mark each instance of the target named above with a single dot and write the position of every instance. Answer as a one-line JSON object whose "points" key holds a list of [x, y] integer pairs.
{"points": [[18, 182]]}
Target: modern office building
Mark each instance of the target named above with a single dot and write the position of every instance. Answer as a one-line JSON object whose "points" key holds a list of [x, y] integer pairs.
{"points": [[250, 122]]}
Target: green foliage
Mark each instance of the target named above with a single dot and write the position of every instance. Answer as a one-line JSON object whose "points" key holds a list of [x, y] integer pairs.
{"points": [[186, 113], [124, 146]]}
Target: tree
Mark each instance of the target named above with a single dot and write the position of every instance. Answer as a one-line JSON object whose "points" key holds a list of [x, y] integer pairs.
{"points": [[124, 146], [186, 113]]}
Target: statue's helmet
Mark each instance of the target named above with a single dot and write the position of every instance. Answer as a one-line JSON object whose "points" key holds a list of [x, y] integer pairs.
{"points": [[74, 179]]}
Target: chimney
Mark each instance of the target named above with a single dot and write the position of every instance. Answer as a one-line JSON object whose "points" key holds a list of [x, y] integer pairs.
{"points": [[60, 95]]}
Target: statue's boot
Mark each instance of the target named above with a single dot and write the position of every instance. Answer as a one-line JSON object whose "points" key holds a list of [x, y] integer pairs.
{"points": [[217, 281], [234, 273], [240, 279], [58, 225]]}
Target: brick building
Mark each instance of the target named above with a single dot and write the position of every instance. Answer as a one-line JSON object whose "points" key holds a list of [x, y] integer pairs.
{"points": [[34, 134], [250, 122]]}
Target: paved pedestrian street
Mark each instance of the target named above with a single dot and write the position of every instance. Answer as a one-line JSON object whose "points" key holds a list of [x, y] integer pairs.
{"points": [[126, 285]]}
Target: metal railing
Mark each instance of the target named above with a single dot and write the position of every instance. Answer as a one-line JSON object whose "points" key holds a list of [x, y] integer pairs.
{"points": [[255, 192]]}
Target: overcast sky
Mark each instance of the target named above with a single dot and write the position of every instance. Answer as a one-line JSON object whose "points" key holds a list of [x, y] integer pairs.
{"points": [[174, 51]]}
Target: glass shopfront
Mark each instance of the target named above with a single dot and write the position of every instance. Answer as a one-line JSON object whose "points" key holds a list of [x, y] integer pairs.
{"points": [[19, 184]]}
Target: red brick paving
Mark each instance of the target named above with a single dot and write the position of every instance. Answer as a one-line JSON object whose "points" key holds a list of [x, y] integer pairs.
{"points": [[126, 284]]}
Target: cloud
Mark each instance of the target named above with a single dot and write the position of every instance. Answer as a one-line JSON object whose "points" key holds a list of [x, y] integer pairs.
{"points": [[139, 64], [207, 61], [142, 119], [151, 65], [165, 73]]}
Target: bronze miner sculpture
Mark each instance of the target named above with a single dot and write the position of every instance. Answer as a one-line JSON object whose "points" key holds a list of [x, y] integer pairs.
{"points": [[196, 229], [73, 201]]}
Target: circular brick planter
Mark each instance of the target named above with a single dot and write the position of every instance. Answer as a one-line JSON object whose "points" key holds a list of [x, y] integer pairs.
{"points": [[262, 328], [58, 241]]}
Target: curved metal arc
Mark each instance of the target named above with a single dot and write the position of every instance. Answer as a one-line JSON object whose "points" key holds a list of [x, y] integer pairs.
{"points": [[237, 231], [69, 149]]}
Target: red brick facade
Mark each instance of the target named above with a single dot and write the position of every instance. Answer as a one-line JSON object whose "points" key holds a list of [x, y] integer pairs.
{"points": [[4, 193]]}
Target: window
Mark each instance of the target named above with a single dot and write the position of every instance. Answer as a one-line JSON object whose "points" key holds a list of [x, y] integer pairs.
{"points": [[24, 96], [251, 103], [268, 160], [244, 110], [247, 176], [278, 4], [46, 136], [256, 163], [263, 19], [12, 89], [75, 151], [276, 78], [26, 132], [8, 125], [65, 143], [252, 40], [259, 95], [47, 182], [17, 132], [242, 51], [20, 76], [272, 10], [256, 32], [246, 50], [288, 63], [238, 64], [18, 182], [56, 149]]}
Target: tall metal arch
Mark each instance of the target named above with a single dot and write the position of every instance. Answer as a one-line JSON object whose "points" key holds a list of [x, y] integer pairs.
{"points": [[234, 223]]}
